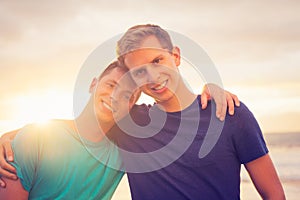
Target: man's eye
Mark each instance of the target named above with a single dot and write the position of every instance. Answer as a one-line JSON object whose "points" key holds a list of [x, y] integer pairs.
{"points": [[126, 97], [110, 85], [139, 72], [157, 60]]}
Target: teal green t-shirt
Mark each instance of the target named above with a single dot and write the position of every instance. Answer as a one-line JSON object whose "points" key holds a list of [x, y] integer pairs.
{"points": [[53, 163]]}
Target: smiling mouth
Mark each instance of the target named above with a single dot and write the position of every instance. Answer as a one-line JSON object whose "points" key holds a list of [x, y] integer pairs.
{"points": [[160, 86], [108, 106]]}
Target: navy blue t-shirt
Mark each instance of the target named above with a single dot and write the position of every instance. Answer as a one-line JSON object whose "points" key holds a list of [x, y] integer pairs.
{"points": [[188, 154]]}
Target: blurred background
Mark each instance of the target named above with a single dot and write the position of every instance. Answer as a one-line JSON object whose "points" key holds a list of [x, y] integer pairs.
{"points": [[255, 46]]}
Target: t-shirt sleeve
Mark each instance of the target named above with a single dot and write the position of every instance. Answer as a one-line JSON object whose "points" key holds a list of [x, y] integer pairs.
{"points": [[248, 141], [26, 150]]}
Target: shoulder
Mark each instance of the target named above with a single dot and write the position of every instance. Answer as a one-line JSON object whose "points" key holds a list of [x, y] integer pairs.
{"points": [[243, 123], [36, 131], [26, 144], [28, 136], [242, 110], [29, 130], [242, 115], [247, 137]]}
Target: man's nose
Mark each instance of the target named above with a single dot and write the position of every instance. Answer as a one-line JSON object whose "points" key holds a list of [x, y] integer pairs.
{"points": [[114, 99], [117, 95], [153, 74]]}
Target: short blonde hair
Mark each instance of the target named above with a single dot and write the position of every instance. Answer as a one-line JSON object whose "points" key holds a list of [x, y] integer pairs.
{"points": [[135, 35]]}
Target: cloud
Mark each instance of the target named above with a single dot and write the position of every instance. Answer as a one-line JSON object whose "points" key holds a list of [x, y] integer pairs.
{"points": [[280, 123], [251, 42]]}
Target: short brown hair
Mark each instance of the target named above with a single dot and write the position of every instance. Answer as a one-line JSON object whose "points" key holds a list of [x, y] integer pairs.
{"points": [[135, 35], [111, 66]]}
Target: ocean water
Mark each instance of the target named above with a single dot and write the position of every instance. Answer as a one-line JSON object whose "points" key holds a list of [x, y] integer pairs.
{"points": [[284, 151]]}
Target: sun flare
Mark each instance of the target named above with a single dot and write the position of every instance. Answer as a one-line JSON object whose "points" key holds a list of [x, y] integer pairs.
{"points": [[41, 106]]}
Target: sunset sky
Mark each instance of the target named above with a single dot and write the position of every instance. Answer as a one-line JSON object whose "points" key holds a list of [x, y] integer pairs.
{"points": [[255, 46]]}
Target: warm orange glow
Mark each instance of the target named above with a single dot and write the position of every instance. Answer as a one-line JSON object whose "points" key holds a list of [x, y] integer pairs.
{"points": [[40, 107]]}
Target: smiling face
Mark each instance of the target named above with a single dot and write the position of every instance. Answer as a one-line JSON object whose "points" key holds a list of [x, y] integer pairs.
{"points": [[113, 95], [154, 69]]}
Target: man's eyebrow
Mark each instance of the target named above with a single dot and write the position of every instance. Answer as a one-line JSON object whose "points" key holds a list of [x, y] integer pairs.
{"points": [[157, 57], [113, 81], [128, 92]]}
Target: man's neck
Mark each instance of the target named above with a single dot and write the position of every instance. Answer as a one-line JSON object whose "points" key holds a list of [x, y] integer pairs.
{"points": [[182, 99], [88, 126]]}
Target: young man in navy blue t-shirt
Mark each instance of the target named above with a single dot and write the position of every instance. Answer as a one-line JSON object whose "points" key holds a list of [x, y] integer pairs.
{"points": [[175, 150]]}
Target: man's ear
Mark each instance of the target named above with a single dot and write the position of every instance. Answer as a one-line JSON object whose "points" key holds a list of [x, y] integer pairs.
{"points": [[176, 54], [93, 85]]}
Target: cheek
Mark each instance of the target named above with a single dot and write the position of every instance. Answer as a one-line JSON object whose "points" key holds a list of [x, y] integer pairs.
{"points": [[140, 82], [123, 106], [100, 89]]}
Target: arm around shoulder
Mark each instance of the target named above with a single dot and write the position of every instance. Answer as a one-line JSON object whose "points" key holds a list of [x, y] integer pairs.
{"points": [[6, 154], [265, 178], [5, 140]]}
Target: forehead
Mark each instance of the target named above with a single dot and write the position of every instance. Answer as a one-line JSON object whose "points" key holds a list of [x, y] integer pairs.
{"points": [[119, 76], [114, 74], [149, 49]]}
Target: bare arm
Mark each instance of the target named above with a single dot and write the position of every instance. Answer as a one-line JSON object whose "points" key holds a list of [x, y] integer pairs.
{"points": [[222, 98], [265, 178], [13, 191], [6, 153]]}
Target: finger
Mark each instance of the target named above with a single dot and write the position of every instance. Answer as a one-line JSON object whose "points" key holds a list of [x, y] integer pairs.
{"points": [[221, 108], [4, 166], [8, 151], [2, 183], [236, 100], [7, 174], [230, 104], [204, 101]]}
